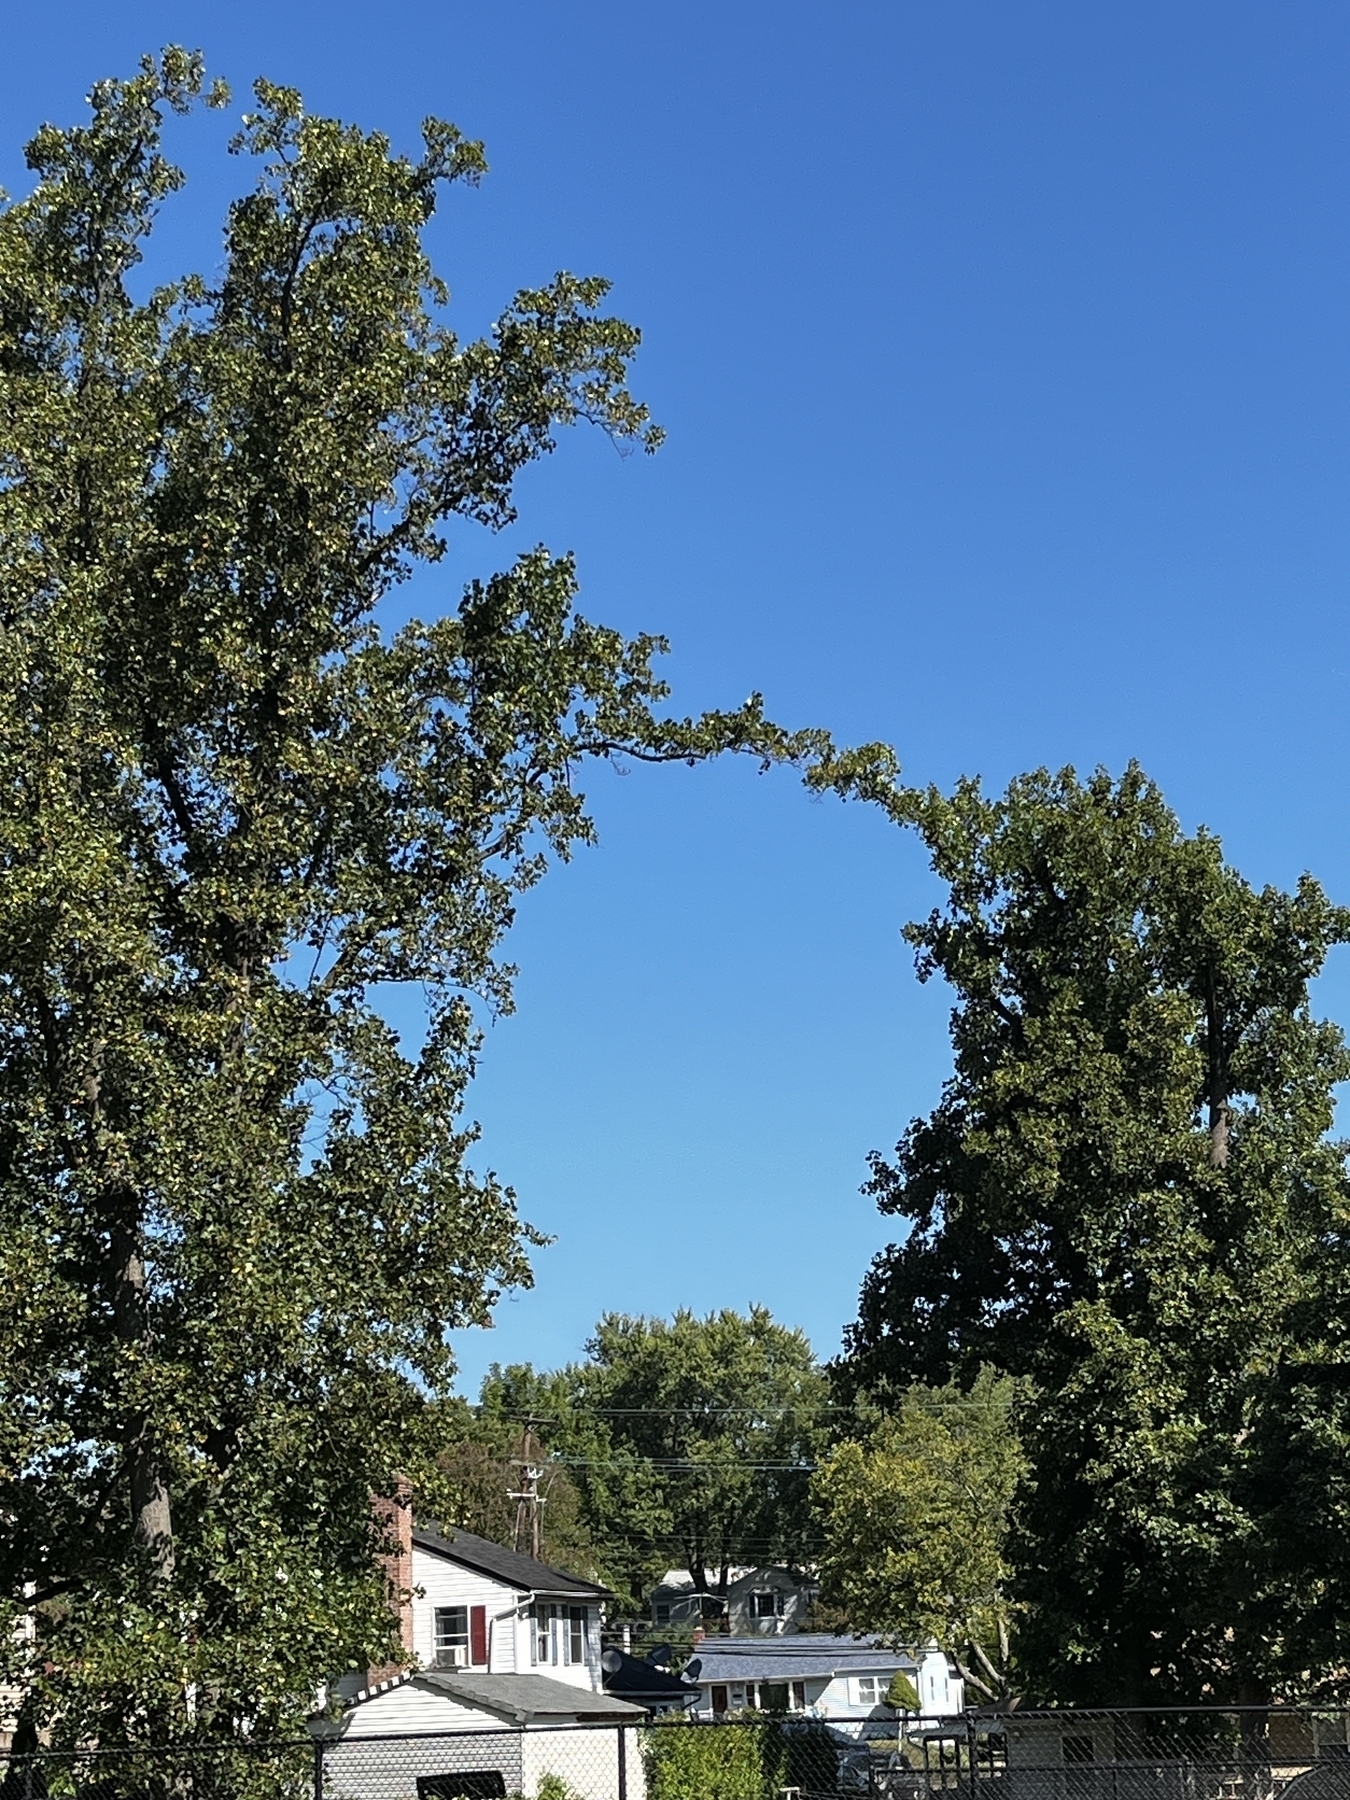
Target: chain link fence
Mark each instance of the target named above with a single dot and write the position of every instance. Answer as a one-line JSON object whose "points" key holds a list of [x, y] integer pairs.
{"points": [[1207, 1753], [1197, 1754]]}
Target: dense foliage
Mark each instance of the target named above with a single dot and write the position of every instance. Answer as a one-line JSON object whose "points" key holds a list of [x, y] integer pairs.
{"points": [[236, 1211], [1127, 1197], [690, 1442], [754, 1758], [914, 1519]]}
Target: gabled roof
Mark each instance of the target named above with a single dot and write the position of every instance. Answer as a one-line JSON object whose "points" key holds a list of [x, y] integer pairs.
{"points": [[681, 1582], [524, 1573], [799, 1658], [525, 1698], [519, 1699]]}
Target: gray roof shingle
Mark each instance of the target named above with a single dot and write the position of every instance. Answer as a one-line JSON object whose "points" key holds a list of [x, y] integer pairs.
{"points": [[525, 1698], [798, 1658]]}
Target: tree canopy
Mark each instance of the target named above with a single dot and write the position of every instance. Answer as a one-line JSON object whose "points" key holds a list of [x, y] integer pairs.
{"points": [[1128, 1197], [237, 1210], [914, 1518], [690, 1440]]}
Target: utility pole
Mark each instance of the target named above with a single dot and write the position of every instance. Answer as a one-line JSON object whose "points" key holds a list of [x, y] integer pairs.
{"points": [[529, 1501]]}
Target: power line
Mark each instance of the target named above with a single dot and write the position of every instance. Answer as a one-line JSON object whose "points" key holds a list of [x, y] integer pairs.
{"points": [[681, 1465], [754, 1413]]}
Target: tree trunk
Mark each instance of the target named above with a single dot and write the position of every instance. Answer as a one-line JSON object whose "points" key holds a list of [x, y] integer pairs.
{"points": [[151, 1515], [1217, 1094]]}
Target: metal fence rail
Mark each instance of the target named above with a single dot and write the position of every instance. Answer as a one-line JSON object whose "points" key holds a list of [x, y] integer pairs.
{"points": [[1177, 1754]]}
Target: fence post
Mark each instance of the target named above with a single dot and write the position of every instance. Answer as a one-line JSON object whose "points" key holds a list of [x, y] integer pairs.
{"points": [[318, 1768], [623, 1762]]}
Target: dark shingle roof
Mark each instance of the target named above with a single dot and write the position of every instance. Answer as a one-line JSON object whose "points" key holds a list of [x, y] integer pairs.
{"points": [[635, 1679], [517, 1571]]}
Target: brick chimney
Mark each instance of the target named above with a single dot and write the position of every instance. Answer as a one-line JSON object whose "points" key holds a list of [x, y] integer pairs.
{"points": [[392, 1520]]}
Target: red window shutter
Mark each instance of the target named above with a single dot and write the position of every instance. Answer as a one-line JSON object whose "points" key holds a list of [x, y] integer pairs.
{"points": [[478, 1636]]}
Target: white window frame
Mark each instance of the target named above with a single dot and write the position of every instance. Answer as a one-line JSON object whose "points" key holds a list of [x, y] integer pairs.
{"points": [[543, 1633], [451, 1643], [574, 1641], [774, 1596], [878, 1685]]}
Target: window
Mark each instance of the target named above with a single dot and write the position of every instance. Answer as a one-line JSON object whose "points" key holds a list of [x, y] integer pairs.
{"points": [[661, 1611], [544, 1649], [768, 1696], [452, 1636], [719, 1698], [467, 1784], [766, 1605], [871, 1689], [576, 1634]]}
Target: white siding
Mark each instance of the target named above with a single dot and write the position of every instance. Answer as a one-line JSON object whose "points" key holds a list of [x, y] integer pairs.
{"points": [[834, 1697], [439, 1582], [587, 1759], [444, 1583], [408, 1708], [585, 1674], [839, 1698]]}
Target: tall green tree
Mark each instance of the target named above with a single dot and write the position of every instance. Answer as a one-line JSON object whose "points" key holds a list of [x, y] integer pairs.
{"points": [[691, 1441], [237, 1213], [914, 1518], [1128, 1196]]}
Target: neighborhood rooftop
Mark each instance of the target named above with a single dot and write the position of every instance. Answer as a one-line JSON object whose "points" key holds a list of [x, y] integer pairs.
{"points": [[793, 1658], [525, 1698], [518, 1571]]}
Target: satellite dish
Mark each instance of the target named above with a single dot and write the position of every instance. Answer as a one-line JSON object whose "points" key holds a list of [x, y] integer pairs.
{"points": [[611, 1661], [693, 1668]]}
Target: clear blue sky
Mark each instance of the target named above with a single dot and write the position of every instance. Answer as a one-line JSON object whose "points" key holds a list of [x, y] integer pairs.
{"points": [[1005, 355]]}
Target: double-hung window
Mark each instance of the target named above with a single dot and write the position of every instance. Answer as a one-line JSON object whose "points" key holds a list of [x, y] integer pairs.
{"points": [[544, 1648], [576, 1634], [452, 1636], [871, 1689]]}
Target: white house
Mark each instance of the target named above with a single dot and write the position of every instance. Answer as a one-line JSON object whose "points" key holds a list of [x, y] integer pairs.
{"points": [[499, 1650], [841, 1679], [478, 1606], [759, 1602]]}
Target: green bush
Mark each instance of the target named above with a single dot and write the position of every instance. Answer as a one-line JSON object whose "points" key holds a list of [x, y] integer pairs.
{"points": [[688, 1761], [553, 1787]]}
